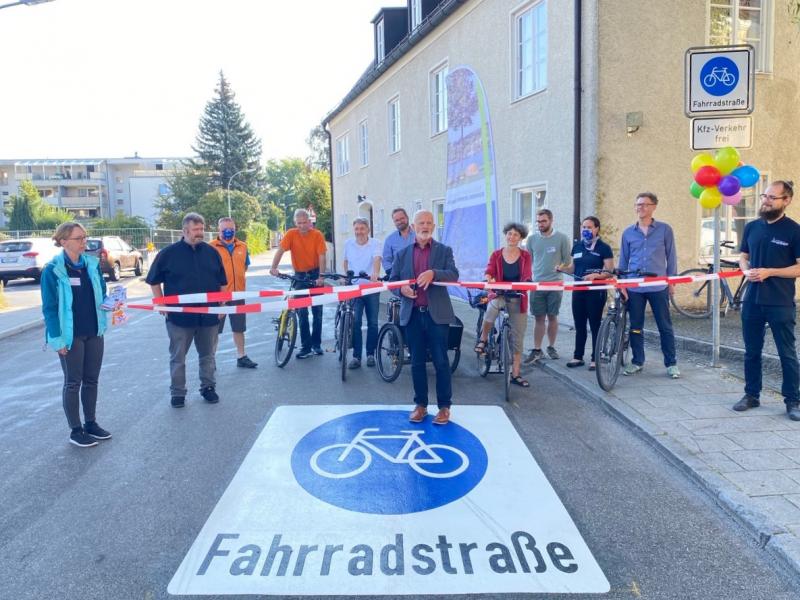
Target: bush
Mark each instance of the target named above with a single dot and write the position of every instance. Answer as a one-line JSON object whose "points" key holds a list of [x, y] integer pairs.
{"points": [[257, 237]]}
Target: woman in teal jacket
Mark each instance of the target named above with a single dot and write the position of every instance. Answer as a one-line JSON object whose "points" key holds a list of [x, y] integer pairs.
{"points": [[72, 296]]}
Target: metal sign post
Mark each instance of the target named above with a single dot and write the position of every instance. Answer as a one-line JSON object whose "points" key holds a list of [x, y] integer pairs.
{"points": [[715, 295]]}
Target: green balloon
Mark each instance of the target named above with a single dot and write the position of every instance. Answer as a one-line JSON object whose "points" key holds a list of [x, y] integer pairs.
{"points": [[696, 189]]}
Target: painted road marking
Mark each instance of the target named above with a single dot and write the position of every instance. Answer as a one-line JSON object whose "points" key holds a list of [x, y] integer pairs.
{"points": [[355, 500]]}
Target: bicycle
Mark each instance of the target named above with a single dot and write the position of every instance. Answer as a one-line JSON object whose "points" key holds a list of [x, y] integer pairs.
{"points": [[390, 352], [498, 346], [408, 454], [693, 300], [286, 325], [721, 75], [343, 321], [613, 338]]}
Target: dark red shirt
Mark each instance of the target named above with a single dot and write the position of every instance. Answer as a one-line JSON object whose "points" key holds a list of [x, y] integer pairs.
{"points": [[422, 257]]}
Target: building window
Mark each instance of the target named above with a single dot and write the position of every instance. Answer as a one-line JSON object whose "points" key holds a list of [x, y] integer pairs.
{"points": [[528, 200], [3, 178], [363, 136], [394, 126], [416, 13], [159, 166], [438, 218], [380, 46], [743, 22], [438, 87], [342, 155], [530, 45], [732, 220]]}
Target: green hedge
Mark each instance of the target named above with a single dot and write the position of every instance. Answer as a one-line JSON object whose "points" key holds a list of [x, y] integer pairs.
{"points": [[257, 238]]}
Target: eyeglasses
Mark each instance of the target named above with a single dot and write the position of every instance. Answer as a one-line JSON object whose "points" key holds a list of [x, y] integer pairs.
{"points": [[640, 204], [771, 198], [78, 239]]}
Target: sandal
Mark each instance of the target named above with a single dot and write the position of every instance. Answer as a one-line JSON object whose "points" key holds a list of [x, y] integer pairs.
{"points": [[592, 366], [480, 347], [575, 362], [517, 380]]}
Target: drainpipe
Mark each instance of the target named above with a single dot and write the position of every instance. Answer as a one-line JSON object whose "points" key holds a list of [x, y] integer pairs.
{"points": [[576, 142], [330, 182]]}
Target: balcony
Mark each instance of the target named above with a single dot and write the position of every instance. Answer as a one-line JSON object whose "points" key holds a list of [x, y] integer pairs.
{"points": [[50, 179], [76, 202]]}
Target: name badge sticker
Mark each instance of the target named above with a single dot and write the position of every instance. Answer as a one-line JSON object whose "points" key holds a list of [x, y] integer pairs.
{"points": [[577, 255], [75, 281], [551, 250]]}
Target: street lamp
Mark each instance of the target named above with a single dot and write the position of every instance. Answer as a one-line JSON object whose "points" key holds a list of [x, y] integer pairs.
{"points": [[26, 2], [230, 179]]}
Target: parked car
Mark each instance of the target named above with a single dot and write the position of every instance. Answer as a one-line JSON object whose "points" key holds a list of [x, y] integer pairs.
{"points": [[115, 256], [25, 258]]}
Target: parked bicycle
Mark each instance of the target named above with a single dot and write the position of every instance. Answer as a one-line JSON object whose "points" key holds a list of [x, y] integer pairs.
{"points": [[286, 325], [613, 338], [498, 349], [391, 353], [343, 321], [694, 300]]}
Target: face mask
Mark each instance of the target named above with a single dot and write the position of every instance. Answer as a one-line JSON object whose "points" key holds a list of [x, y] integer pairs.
{"points": [[587, 235], [227, 234]]}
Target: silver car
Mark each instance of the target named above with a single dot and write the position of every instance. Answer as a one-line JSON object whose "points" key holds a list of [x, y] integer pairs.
{"points": [[25, 258]]}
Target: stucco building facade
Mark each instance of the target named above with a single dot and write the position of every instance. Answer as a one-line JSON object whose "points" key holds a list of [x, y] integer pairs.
{"points": [[389, 144]]}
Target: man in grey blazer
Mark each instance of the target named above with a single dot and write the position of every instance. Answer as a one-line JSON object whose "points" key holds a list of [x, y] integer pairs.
{"points": [[426, 313]]}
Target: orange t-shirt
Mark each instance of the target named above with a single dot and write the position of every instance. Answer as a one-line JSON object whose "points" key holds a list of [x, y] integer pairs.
{"points": [[305, 249]]}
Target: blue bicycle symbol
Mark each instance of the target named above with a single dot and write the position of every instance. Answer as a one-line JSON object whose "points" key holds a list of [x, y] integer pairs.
{"points": [[719, 76]]}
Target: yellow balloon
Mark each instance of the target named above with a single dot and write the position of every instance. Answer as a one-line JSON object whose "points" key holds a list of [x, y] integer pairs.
{"points": [[727, 159], [710, 198], [702, 160]]}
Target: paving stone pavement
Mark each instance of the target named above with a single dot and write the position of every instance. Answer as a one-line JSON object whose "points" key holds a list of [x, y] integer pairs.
{"points": [[749, 462]]}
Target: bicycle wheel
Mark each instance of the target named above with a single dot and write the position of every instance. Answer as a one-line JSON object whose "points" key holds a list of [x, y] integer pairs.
{"points": [[693, 300], [337, 332], [287, 337], [507, 359], [485, 359], [326, 463], [389, 352], [608, 357], [347, 332], [625, 326], [454, 356], [451, 461]]}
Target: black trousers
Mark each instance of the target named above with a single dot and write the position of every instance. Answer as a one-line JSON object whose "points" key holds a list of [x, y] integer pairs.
{"points": [[587, 306], [81, 366]]}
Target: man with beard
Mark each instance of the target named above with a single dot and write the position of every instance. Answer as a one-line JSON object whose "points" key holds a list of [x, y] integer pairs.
{"points": [[770, 258], [397, 240]]}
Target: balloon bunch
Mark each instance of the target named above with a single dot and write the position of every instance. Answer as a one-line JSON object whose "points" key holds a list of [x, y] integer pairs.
{"points": [[719, 179]]}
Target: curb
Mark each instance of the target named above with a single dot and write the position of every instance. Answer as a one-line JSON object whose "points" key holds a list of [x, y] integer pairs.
{"points": [[782, 545], [21, 328]]}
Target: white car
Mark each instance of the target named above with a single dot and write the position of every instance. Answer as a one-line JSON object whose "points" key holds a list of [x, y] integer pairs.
{"points": [[25, 257]]}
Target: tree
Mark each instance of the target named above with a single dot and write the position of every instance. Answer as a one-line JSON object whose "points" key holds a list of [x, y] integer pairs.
{"points": [[226, 143], [120, 221], [30, 212], [21, 217], [281, 179], [186, 189], [214, 205], [319, 159], [314, 190], [273, 216]]}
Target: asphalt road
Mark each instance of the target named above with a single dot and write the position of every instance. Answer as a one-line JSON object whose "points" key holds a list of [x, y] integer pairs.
{"points": [[115, 521]]}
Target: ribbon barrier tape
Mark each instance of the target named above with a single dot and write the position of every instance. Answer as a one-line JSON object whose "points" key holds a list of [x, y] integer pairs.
{"points": [[294, 299]]}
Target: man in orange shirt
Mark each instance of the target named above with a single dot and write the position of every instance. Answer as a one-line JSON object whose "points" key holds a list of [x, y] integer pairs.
{"points": [[308, 249], [235, 259]]}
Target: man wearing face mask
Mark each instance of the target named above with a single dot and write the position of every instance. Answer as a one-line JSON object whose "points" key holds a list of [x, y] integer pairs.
{"points": [[236, 260], [770, 256]]}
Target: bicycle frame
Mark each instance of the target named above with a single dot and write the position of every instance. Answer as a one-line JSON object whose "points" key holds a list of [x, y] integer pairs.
{"points": [[412, 437]]}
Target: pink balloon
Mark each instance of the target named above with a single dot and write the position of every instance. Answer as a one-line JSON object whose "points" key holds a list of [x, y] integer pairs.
{"points": [[732, 200]]}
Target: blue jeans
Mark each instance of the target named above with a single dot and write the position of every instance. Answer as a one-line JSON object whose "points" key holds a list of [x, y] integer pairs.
{"points": [[423, 336], [368, 304], [659, 303], [313, 338], [781, 321]]}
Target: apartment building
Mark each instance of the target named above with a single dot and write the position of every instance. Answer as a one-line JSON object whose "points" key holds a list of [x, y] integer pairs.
{"points": [[577, 154], [92, 188]]}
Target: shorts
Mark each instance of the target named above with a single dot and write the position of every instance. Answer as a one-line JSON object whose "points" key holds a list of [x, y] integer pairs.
{"points": [[238, 322], [545, 303], [517, 319]]}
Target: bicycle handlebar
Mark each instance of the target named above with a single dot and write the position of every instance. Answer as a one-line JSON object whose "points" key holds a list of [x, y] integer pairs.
{"points": [[294, 278]]}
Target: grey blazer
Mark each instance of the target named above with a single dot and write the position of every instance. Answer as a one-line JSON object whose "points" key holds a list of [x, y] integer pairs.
{"points": [[444, 269]]}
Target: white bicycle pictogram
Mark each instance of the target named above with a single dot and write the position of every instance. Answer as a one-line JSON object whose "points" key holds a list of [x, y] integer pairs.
{"points": [[414, 453], [721, 75]]}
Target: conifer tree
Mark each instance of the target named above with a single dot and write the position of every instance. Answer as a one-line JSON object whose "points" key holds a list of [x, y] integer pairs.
{"points": [[226, 143]]}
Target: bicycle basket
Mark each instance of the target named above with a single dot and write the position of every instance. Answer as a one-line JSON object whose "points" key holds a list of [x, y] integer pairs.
{"points": [[479, 300]]}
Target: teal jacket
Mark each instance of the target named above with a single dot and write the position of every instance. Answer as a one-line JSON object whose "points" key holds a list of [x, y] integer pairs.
{"points": [[57, 300]]}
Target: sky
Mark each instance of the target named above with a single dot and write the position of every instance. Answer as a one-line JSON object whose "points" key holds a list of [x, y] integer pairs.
{"points": [[110, 78]]}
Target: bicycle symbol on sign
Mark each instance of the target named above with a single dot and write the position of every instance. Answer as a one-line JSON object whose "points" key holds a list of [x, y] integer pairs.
{"points": [[719, 75], [415, 453]]}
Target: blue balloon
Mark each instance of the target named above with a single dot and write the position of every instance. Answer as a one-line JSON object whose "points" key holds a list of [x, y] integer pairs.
{"points": [[747, 175]]}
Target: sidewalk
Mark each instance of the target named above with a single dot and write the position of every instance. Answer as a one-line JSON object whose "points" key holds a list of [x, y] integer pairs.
{"points": [[748, 462]]}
